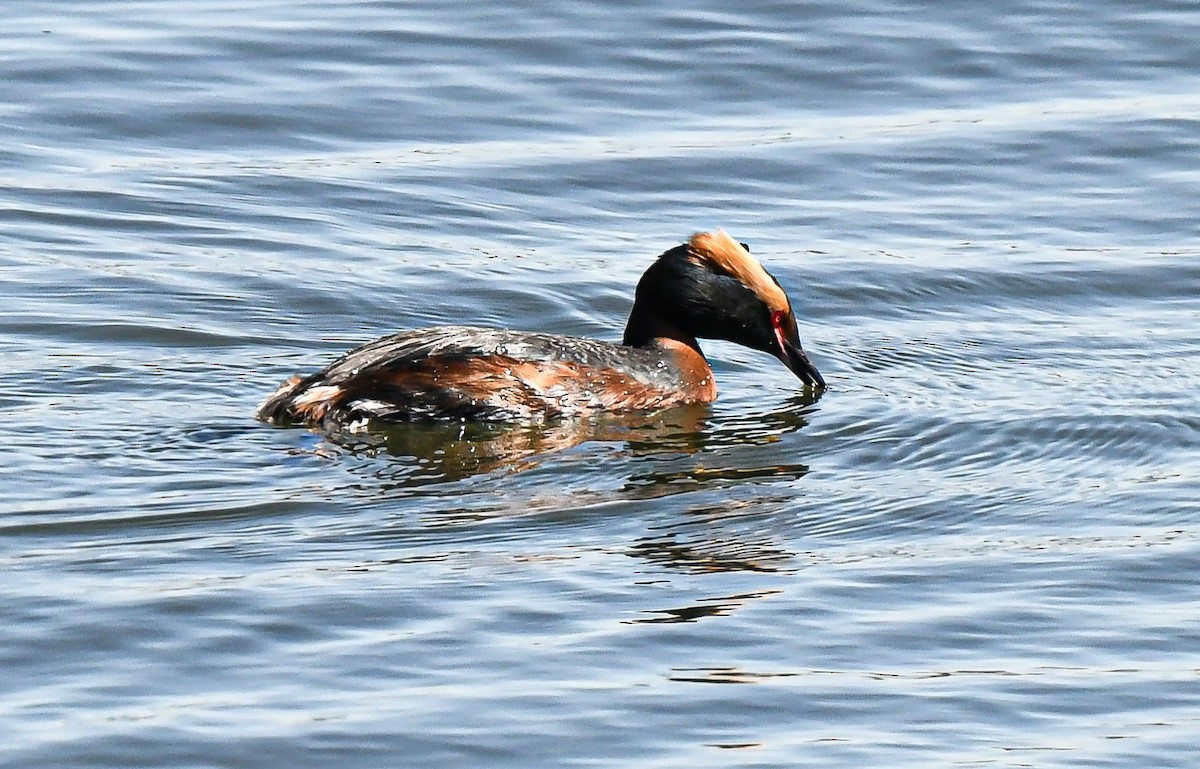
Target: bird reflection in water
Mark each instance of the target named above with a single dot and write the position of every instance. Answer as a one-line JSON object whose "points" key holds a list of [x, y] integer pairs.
{"points": [[729, 457], [684, 447], [713, 549], [715, 607]]}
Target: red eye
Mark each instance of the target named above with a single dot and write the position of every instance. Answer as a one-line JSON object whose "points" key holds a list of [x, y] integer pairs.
{"points": [[778, 318]]}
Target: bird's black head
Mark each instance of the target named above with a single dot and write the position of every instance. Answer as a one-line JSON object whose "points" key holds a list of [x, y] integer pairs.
{"points": [[712, 288]]}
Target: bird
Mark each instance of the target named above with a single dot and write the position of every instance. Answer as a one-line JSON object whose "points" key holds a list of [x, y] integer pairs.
{"points": [[709, 287]]}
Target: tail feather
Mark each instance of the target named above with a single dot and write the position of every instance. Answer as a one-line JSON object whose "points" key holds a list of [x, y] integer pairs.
{"points": [[276, 408]]}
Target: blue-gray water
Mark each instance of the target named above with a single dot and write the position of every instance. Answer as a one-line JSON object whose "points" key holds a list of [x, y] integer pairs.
{"points": [[981, 547]]}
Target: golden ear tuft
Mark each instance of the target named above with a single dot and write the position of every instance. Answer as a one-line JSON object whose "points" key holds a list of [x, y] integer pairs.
{"points": [[723, 254]]}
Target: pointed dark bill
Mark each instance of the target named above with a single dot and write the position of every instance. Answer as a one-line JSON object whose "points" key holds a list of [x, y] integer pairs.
{"points": [[798, 363]]}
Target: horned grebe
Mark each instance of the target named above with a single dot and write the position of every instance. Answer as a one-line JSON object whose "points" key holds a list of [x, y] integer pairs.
{"points": [[709, 287]]}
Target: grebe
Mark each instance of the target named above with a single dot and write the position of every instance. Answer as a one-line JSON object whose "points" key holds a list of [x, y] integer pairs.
{"points": [[709, 287]]}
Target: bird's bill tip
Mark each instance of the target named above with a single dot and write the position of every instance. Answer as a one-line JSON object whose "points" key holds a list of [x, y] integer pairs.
{"points": [[799, 364]]}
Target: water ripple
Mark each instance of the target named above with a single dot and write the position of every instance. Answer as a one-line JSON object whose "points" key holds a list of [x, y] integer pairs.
{"points": [[979, 546]]}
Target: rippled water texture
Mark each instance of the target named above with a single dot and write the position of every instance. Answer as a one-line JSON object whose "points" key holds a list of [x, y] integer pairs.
{"points": [[978, 548]]}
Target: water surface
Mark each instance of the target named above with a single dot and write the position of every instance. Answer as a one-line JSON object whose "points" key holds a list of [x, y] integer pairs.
{"points": [[979, 547]]}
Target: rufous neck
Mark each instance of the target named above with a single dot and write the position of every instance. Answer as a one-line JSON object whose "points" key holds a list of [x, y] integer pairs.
{"points": [[679, 348]]}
